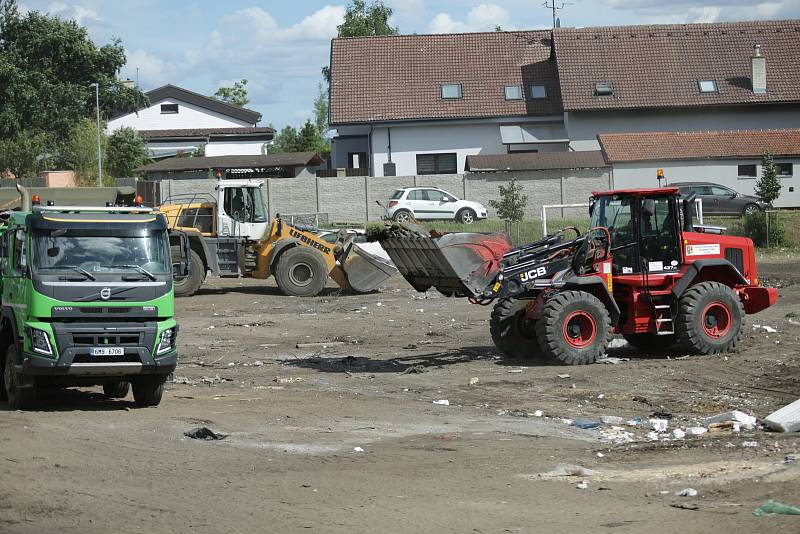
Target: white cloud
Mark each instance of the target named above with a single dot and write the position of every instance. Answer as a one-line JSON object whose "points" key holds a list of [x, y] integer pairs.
{"points": [[484, 17], [81, 14], [153, 70], [410, 11], [680, 11]]}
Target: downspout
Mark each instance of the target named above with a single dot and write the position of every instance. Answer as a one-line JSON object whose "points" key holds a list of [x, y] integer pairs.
{"points": [[371, 153]]}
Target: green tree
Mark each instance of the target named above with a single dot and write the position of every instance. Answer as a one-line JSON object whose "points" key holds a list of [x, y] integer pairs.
{"points": [[511, 206], [25, 154], [309, 138], [235, 95], [768, 187], [285, 141], [80, 152], [126, 151], [321, 110]]}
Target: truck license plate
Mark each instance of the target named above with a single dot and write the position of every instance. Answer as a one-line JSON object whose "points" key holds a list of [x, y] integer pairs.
{"points": [[108, 351]]}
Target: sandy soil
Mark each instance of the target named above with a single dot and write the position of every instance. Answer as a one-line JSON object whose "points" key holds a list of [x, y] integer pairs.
{"points": [[80, 463]]}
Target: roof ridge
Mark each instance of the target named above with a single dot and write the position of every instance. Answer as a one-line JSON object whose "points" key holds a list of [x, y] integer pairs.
{"points": [[449, 34], [683, 26]]}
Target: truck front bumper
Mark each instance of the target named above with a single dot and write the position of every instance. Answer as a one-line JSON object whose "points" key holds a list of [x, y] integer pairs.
{"points": [[36, 365]]}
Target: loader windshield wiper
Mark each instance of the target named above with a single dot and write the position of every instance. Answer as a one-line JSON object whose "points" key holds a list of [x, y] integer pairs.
{"points": [[137, 268]]}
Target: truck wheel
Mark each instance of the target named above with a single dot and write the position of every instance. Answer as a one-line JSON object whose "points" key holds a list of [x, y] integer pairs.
{"points": [[466, 216], [301, 272], [189, 285], [574, 328], [147, 390], [19, 398], [116, 390], [710, 318], [512, 332], [649, 342]]}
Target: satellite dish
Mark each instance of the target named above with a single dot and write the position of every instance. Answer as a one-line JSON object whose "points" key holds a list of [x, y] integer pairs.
{"points": [[558, 22]]}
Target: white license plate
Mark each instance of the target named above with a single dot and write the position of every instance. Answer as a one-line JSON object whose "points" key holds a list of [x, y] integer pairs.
{"points": [[108, 351]]}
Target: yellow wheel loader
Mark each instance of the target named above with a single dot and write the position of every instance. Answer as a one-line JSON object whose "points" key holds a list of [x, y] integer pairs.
{"points": [[231, 236]]}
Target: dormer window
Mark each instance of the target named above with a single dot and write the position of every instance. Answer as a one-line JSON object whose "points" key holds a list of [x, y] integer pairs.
{"points": [[169, 109], [452, 91], [707, 86], [603, 88], [513, 92], [538, 91]]}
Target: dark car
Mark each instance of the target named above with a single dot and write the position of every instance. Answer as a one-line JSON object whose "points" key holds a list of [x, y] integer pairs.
{"points": [[720, 200]]}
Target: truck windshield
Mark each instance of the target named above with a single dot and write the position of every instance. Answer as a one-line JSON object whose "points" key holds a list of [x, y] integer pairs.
{"points": [[97, 251]]}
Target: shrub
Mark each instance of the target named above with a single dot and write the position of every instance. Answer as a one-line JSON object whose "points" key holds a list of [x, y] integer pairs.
{"points": [[511, 206], [755, 227]]}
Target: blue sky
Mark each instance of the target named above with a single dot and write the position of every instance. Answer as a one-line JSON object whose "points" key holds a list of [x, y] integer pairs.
{"points": [[280, 46]]}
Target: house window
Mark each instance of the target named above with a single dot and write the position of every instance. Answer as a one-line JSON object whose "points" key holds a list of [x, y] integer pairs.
{"points": [[437, 164], [513, 92], [784, 169], [747, 171], [604, 88], [538, 91], [707, 86], [357, 160], [452, 91], [169, 109]]}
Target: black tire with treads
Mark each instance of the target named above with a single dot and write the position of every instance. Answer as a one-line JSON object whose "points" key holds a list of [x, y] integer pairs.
{"points": [[301, 272], [116, 390], [696, 321], [512, 333], [148, 390], [558, 314], [189, 285], [19, 398]]}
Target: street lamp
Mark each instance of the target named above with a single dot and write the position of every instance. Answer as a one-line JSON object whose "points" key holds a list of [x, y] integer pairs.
{"points": [[99, 149]]}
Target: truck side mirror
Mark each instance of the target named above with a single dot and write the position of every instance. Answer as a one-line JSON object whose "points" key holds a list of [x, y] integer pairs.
{"points": [[183, 267]]}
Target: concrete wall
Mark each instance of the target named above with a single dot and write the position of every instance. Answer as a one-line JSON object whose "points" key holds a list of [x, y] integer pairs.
{"points": [[188, 116], [353, 199], [583, 127], [723, 172]]}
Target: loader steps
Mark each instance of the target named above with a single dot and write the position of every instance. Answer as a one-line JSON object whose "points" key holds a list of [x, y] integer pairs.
{"points": [[665, 323]]}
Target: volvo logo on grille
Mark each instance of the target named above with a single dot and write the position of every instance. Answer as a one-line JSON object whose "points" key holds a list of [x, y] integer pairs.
{"points": [[105, 293]]}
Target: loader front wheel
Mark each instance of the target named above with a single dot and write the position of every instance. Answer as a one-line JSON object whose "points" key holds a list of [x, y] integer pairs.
{"points": [[574, 328], [512, 332], [710, 318], [188, 286], [301, 272]]}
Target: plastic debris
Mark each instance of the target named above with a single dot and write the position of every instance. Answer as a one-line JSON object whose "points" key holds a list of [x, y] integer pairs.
{"points": [[358, 449], [636, 421], [586, 424], [612, 360], [205, 434], [787, 419], [583, 485], [600, 455], [735, 415], [652, 436], [617, 343], [474, 380], [611, 420], [563, 375], [538, 413], [722, 427], [568, 470], [750, 444], [659, 425], [767, 329], [678, 434], [442, 402], [617, 435], [688, 492], [696, 431], [771, 507]]}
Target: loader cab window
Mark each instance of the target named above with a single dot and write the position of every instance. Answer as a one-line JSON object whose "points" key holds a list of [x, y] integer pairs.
{"points": [[616, 214], [244, 204], [658, 231]]}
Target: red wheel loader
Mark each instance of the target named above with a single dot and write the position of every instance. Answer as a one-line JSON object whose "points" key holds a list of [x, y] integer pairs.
{"points": [[643, 270]]}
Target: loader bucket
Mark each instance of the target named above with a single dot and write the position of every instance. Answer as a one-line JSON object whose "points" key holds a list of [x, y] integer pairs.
{"points": [[458, 264], [366, 271]]}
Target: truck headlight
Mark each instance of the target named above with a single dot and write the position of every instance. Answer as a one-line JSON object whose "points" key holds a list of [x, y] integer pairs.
{"points": [[167, 342], [40, 342]]}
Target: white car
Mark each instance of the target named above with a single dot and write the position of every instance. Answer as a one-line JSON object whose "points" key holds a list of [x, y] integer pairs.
{"points": [[425, 203]]}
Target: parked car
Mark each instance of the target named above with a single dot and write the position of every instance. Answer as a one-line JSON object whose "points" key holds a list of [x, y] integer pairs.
{"points": [[425, 203], [720, 200]]}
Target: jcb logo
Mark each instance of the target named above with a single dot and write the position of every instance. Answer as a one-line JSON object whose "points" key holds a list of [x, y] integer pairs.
{"points": [[533, 274]]}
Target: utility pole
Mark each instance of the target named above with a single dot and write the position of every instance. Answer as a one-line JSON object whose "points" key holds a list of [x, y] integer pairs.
{"points": [[555, 8], [99, 144]]}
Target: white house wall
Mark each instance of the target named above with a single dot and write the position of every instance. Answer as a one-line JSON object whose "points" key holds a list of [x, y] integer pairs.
{"points": [[722, 172], [583, 127], [243, 148], [189, 116]]}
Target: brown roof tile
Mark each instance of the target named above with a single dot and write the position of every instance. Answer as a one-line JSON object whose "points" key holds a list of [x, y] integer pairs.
{"points": [[659, 66], [662, 146], [399, 77], [589, 159]]}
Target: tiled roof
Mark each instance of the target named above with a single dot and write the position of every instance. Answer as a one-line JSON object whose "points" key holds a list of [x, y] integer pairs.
{"points": [[399, 78], [659, 66], [290, 159], [589, 159], [265, 132], [662, 146]]}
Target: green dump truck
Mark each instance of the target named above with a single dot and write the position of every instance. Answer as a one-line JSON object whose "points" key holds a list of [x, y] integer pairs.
{"points": [[87, 300]]}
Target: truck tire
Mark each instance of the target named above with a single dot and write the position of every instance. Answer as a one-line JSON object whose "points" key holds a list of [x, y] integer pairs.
{"points": [[710, 318], [574, 328], [189, 285], [512, 332], [147, 390], [116, 390], [649, 342], [19, 398], [301, 272]]}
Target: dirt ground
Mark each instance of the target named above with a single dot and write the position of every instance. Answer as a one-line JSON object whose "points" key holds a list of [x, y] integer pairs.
{"points": [[346, 437]]}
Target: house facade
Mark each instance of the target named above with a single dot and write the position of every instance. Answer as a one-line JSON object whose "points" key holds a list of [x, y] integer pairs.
{"points": [[422, 104], [182, 121]]}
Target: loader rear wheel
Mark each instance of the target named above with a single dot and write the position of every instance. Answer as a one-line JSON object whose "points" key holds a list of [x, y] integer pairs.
{"points": [[301, 272], [649, 342], [574, 328], [512, 332], [189, 285], [710, 318]]}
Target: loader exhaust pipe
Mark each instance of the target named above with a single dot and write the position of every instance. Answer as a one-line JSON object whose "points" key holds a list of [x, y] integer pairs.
{"points": [[24, 197], [688, 213]]}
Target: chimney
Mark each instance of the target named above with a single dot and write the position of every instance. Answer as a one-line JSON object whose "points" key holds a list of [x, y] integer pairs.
{"points": [[759, 71], [130, 84]]}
